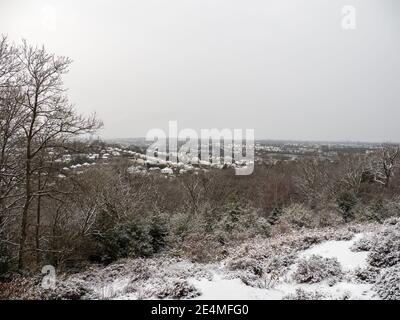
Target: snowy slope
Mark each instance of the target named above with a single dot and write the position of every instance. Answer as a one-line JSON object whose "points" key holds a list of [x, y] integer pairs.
{"points": [[305, 264], [220, 288]]}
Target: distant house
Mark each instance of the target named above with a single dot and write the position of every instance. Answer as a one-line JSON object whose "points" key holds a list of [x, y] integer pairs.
{"points": [[66, 158], [167, 171]]}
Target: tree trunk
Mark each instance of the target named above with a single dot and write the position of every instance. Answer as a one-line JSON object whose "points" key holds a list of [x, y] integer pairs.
{"points": [[37, 236], [25, 210]]}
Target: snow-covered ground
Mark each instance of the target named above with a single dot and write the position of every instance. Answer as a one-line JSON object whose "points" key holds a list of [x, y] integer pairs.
{"points": [[340, 250], [222, 288], [348, 263]]}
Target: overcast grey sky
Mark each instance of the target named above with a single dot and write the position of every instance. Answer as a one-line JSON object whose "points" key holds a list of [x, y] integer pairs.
{"points": [[283, 67]]}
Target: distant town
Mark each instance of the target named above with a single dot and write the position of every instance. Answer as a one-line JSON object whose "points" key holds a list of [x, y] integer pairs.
{"points": [[267, 152]]}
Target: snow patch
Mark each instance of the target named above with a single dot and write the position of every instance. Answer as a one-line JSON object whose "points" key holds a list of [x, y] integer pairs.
{"points": [[341, 250]]}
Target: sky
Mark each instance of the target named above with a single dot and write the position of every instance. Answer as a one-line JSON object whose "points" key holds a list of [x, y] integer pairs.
{"points": [[285, 68]]}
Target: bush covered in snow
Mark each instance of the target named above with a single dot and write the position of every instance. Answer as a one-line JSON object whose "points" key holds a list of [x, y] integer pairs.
{"points": [[233, 221], [298, 216], [363, 244], [245, 264], [328, 217], [247, 269], [344, 234], [316, 269], [280, 261], [199, 247], [379, 210], [373, 212], [301, 294], [393, 206], [388, 284], [392, 221], [66, 290], [366, 275], [385, 250], [177, 289], [205, 236], [19, 287], [263, 226]]}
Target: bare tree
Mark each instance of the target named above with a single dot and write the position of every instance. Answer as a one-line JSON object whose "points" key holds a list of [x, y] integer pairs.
{"points": [[9, 65], [11, 120], [313, 181], [386, 163], [352, 175], [50, 120]]}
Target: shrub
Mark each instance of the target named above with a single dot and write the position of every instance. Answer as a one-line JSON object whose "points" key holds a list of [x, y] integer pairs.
{"points": [[380, 211], [393, 206], [233, 222], [328, 217], [363, 244], [388, 284], [385, 250], [301, 294], [245, 264], [364, 214], [263, 227], [251, 272], [179, 223], [316, 269], [231, 218], [298, 216], [367, 275], [158, 231], [274, 215], [344, 234], [130, 240], [279, 262], [66, 290], [177, 289], [392, 221], [19, 287], [374, 212], [200, 247], [346, 202]]}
